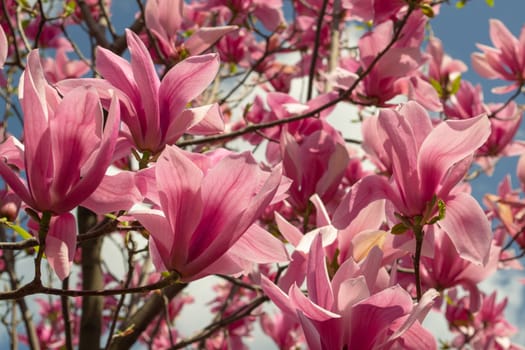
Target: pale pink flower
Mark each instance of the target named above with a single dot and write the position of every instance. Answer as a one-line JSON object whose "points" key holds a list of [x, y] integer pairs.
{"points": [[349, 310], [504, 61], [426, 164], [165, 20], [485, 328], [63, 67]]}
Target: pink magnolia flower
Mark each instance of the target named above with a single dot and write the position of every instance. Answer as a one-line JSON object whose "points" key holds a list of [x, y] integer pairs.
{"points": [[468, 101], [205, 210], [485, 328], [442, 69], [63, 67], [165, 20], [504, 61], [66, 150], [316, 165], [447, 270], [426, 164], [156, 111], [350, 310], [395, 73]]}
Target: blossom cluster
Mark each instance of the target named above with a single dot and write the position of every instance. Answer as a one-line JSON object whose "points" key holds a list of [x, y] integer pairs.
{"points": [[354, 245]]}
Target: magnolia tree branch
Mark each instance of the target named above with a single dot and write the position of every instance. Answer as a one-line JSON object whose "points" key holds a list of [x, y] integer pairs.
{"points": [[215, 326], [315, 50], [342, 97], [133, 327], [9, 260]]}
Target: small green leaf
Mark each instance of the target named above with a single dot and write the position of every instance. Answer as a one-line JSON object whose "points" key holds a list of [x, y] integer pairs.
{"points": [[398, 229], [437, 86], [442, 209], [427, 10], [69, 8], [456, 83], [460, 4]]}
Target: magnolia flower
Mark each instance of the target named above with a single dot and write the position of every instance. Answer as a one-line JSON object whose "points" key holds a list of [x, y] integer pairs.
{"points": [[506, 61], [352, 310], [426, 164], [66, 150], [156, 112], [205, 209]]}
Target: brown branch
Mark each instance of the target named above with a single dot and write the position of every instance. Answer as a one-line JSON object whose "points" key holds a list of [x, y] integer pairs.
{"points": [[343, 96], [214, 327], [315, 50], [9, 260], [133, 327]]}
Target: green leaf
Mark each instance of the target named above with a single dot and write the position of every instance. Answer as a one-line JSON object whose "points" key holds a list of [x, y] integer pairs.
{"points": [[460, 4], [398, 229], [69, 8], [490, 3], [437, 86], [456, 83], [427, 10]]}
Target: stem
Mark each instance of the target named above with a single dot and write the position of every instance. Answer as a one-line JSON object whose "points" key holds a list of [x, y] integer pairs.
{"points": [[418, 232], [133, 327], [42, 234], [65, 314]]}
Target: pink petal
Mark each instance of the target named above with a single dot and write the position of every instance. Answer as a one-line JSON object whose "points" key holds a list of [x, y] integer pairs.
{"points": [[146, 77], [161, 244], [207, 120], [317, 280], [206, 37], [61, 243], [184, 82], [115, 192], [468, 227], [179, 182], [449, 143], [118, 72], [259, 246], [164, 16], [289, 231], [365, 191], [278, 297], [309, 308], [94, 169]]}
